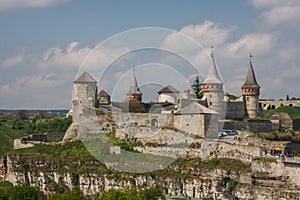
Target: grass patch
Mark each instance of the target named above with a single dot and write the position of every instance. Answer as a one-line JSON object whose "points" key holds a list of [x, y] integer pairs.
{"points": [[71, 157], [7, 136], [266, 160], [126, 146], [292, 111]]}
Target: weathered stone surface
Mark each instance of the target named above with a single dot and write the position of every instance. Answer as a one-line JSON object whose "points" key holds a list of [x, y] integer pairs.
{"points": [[266, 181]]}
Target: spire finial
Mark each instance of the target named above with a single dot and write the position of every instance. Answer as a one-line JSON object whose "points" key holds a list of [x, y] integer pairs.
{"points": [[250, 57], [212, 51]]}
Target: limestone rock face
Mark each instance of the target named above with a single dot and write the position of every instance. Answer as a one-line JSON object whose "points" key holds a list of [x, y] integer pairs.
{"points": [[194, 181]]}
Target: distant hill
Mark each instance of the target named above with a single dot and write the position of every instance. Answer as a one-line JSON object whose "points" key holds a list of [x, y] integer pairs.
{"points": [[292, 111], [7, 136]]}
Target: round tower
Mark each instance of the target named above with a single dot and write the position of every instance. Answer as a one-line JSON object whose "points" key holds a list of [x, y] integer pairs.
{"points": [[250, 92], [212, 88], [134, 94]]}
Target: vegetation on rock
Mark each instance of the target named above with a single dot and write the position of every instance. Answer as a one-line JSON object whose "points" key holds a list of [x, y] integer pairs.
{"points": [[153, 193]]}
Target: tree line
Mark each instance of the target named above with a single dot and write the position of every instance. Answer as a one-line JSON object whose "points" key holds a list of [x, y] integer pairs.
{"points": [[26, 192]]}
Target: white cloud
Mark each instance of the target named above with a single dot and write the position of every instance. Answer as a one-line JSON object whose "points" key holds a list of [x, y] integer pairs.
{"points": [[259, 43], [206, 34], [271, 3], [51, 73], [12, 4], [13, 61], [278, 12], [281, 15]]}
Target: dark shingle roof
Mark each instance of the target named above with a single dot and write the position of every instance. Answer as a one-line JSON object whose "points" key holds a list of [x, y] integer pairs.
{"points": [[85, 78], [168, 89], [250, 81], [102, 93]]}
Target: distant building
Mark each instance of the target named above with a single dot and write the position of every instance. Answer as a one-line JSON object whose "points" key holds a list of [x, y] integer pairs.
{"points": [[103, 98], [134, 94], [168, 94]]}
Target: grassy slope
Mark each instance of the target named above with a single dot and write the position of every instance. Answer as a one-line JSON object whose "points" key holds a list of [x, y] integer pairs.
{"points": [[7, 136], [293, 112]]}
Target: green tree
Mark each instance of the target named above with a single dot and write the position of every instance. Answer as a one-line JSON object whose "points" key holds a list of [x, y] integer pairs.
{"points": [[75, 194], [5, 190], [18, 124], [197, 87], [153, 193], [25, 192], [287, 97]]}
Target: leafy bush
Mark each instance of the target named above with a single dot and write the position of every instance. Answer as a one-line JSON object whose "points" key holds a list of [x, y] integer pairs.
{"points": [[232, 184], [5, 184], [153, 193], [214, 161], [75, 194], [25, 192]]}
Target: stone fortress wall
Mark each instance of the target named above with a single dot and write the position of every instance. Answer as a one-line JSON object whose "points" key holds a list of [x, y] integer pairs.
{"points": [[274, 104]]}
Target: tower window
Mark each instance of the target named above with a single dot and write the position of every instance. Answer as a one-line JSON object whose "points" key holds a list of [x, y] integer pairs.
{"points": [[210, 103]]}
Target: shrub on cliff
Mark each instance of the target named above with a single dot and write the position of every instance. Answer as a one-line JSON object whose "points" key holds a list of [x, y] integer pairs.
{"points": [[153, 193], [75, 194]]}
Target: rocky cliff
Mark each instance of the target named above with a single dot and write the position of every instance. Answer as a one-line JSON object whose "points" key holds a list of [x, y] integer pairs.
{"points": [[215, 179]]}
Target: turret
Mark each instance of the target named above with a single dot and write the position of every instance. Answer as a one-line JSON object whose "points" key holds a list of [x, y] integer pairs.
{"points": [[212, 88], [250, 92], [134, 94]]}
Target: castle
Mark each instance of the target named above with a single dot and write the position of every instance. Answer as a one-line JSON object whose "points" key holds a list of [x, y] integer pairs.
{"points": [[172, 103]]}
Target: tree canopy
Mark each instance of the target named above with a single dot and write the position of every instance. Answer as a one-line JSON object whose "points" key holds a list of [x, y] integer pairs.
{"points": [[197, 87]]}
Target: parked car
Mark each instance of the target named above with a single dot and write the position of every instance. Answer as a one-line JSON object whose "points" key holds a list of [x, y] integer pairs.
{"points": [[230, 132], [222, 134]]}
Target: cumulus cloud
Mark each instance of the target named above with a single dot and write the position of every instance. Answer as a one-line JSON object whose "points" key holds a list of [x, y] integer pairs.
{"points": [[260, 43], [12, 4], [278, 12], [271, 3], [206, 34], [13, 61], [51, 73]]}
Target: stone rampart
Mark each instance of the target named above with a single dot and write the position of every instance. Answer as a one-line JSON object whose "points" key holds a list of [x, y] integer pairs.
{"points": [[206, 149], [274, 104], [255, 126], [235, 109]]}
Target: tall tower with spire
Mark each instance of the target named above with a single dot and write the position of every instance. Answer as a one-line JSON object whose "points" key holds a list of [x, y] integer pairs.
{"points": [[134, 94], [250, 92], [212, 88]]}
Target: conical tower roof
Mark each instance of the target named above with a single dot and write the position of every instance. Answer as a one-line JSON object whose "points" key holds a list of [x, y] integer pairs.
{"points": [[213, 74], [85, 78], [250, 81], [134, 88]]}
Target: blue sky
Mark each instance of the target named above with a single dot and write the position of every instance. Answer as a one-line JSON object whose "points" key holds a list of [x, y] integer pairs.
{"points": [[43, 43]]}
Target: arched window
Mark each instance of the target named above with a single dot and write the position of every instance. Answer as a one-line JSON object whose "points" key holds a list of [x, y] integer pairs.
{"points": [[273, 107], [154, 122]]}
